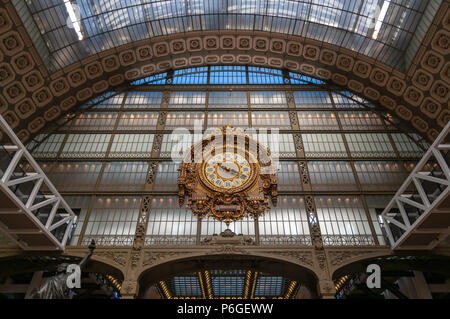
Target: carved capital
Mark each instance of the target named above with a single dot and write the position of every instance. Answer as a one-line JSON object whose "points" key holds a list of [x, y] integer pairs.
{"points": [[340, 257], [326, 289], [321, 259], [129, 288], [120, 258]]}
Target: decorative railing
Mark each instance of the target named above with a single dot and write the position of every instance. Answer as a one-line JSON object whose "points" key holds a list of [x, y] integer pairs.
{"points": [[264, 240], [282, 240], [348, 240], [108, 240], [170, 240]]}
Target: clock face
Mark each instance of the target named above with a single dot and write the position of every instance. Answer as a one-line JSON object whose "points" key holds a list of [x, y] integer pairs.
{"points": [[228, 171]]}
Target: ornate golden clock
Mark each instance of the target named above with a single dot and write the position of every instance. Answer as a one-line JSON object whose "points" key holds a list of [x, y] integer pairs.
{"points": [[227, 176]]}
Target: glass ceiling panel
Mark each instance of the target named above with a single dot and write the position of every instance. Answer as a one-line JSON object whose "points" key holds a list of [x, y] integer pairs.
{"points": [[185, 286], [227, 282], [270, 285], [76, 29]]}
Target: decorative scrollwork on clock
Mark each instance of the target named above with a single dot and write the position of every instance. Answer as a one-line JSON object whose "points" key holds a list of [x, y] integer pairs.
{"points": [[233, 178]]}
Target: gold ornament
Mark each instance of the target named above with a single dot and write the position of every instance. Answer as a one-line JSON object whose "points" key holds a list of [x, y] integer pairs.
{"points": [[233, 178]]}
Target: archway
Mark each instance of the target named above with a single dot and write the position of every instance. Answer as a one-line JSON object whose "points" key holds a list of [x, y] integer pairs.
{"points": [[402, 276], [22, 274], [164, 271]]}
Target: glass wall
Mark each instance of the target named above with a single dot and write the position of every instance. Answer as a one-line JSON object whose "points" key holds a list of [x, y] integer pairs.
{"points": [[332, 176], [343, 221], [112, 221], [170, 224], [332, 146], [285, 224], [75, 176], [123, 176]]}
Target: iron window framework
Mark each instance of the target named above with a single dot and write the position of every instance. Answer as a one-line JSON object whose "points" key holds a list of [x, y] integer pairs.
{"points": [[307, 99]]}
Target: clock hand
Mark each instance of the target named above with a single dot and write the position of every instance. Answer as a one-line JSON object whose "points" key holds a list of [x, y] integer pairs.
{"points": [[228, 169], [223, 167]]}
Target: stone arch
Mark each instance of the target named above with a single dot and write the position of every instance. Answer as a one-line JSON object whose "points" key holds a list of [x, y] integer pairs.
{"points": [[394, 261], [169, 265], [31, 262], [32, 97], [103, 262], [352, 260]]}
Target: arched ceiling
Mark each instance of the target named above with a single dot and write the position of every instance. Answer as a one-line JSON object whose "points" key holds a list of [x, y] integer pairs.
{"points": [[278, 267], [31, 95], [381, 30]]}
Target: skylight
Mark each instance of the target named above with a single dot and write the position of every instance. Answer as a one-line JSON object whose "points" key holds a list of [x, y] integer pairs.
{"points": [[356, 25], [380, 18], [75, 18]]}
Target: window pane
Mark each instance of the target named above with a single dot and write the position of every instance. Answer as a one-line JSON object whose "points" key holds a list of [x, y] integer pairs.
{"points": [[124, 176], [289, 177], [324, 145], [359, 120], [132, 146], [187, 99], [343, 221], [312, 99], [189, 120], [369, 145], [380, 176], [166, 177], [143, 100], [271, 120], [265, 99], [220, 119], [138, 121], [229, 99], [286, 223], [75, 176], [170, 224], [331, 176], [112, 221], [310, 120], [86, 146]]}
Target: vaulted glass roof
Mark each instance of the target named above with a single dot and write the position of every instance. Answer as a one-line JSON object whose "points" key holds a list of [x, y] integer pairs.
{"points": [[75, 29]]}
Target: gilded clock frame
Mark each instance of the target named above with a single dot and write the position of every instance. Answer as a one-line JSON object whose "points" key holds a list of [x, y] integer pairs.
{"points": [[205, 199], [252, 178]]}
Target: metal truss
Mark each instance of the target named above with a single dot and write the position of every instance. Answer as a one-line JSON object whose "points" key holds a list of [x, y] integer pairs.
{"points": [[34, 220], [418, 217]]}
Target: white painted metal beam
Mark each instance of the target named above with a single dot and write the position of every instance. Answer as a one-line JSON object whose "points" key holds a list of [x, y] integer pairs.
{"points": [[428, 207], [59, 208]]}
